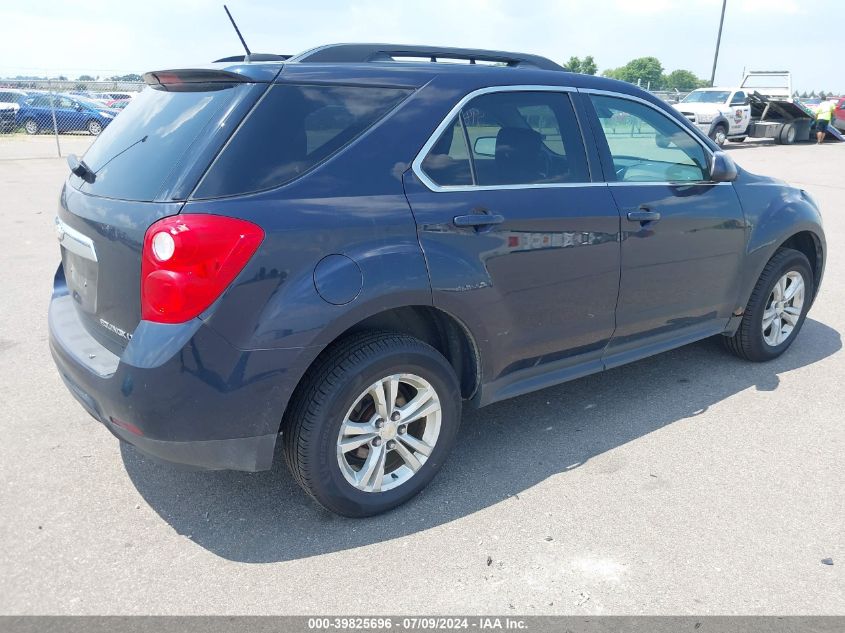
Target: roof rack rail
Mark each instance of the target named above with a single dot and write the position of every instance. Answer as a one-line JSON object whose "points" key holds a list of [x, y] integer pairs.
{"points": [[254, 57], [360, 53]]}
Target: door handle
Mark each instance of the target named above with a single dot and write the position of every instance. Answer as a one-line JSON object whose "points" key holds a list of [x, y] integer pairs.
{"points": [[478, 219], [643, 216]]}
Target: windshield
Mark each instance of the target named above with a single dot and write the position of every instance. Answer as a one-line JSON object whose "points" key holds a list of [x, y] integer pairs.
{"points": [[159, 132], [707, 96], [96, 105]]}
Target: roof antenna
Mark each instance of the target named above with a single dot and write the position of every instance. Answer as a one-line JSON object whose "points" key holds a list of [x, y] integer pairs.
{"points": [[238, 31]]}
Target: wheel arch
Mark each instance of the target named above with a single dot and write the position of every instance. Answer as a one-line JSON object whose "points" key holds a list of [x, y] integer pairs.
{"points": [[719, 120], [777, 215], [810, 244], [807, 240], [443, 331]]}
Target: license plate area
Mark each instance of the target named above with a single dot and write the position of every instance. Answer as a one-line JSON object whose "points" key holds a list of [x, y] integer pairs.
{"points": [[81, 278]]}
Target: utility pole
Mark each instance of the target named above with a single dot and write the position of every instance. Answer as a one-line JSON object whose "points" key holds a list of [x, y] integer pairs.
{"points": [[718, 43]]}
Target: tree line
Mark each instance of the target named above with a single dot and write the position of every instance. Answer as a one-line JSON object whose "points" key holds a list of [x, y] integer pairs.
{"points": [[647, 71]]}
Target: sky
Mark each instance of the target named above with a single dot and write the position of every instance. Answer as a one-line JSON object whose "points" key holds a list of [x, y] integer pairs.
{"points": [[116, 37]]}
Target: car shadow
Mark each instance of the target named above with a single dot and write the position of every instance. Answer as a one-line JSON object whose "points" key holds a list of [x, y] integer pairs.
{"points": [[501, 451]]}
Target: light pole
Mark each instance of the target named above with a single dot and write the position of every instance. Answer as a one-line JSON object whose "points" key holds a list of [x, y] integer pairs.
{"points": [[718, 43]]}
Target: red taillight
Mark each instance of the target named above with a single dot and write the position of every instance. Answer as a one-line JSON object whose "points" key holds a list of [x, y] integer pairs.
{"points": [[189, 260]]}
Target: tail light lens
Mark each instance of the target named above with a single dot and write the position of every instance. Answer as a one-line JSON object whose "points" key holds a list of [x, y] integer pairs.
{"points": [[189, 260]]}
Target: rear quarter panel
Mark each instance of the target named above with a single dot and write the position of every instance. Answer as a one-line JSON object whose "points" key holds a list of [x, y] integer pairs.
{"points": [[352, 205]]}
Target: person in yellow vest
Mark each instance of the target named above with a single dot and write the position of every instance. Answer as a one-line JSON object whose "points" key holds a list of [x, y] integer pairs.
{"points": [[824, 115]]}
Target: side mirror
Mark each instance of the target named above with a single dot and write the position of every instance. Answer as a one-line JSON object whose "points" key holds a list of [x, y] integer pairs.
{"points": [[724, 169], [485, 146]]}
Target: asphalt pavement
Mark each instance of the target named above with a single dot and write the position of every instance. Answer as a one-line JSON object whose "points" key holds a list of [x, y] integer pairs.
{"points": [[688, 483]]}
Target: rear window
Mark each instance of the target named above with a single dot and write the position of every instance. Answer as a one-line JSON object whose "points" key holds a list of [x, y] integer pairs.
{"points": [[155, 138], [293, 129]]}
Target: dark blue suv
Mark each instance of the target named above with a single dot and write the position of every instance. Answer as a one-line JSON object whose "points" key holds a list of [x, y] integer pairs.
{"points": [[339, 249]]}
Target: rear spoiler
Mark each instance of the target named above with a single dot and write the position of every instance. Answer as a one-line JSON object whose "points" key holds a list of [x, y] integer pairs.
{"points": [[192, 76]]}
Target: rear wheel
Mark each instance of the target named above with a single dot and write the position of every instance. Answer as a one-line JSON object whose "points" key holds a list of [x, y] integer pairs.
{"points": [[94, 127], [777, 308], [373, 424], [31, 126], [787, 134]]}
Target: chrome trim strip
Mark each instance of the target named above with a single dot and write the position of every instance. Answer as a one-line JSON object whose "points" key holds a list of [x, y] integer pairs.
{"points": [[666, 183], [75, 242], [416, 165]]}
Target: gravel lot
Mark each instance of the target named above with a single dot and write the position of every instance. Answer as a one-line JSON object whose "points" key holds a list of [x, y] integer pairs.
{"points": [[688, 483]]}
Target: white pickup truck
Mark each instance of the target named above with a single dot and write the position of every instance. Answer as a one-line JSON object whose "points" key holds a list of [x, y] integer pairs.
{"points": [[723, 114]]}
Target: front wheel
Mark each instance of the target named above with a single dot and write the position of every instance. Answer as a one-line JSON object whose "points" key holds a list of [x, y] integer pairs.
{"points": [[373, 423], [719, 135], [94, 127], [31, 126], [777, 308]]}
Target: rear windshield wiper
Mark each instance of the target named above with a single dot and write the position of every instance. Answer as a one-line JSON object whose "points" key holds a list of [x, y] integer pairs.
{"points": [[79, 168], [89, 175]]}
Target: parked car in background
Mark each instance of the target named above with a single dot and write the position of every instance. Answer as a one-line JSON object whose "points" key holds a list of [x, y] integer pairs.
{"points": [[839, 114], [118, 104], [105, 97], [73, 114], [8, 119], [120, 95], [10, 99]]}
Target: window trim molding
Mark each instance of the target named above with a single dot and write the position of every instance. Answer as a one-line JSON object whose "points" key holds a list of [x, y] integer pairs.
{"points": [[416, 165]]}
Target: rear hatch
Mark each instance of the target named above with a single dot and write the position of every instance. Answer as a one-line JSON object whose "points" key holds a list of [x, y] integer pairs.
{"points": [[140, 169]]}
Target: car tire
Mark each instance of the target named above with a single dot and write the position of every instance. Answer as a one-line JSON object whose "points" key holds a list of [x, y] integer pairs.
{"points": [[31, 126], [719, 134], [343, 390], [787, 134], [753, 340], [94, 127]]}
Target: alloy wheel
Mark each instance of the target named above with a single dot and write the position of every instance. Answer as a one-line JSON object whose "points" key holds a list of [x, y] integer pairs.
{"points": [[783, 308], [389, 432]]}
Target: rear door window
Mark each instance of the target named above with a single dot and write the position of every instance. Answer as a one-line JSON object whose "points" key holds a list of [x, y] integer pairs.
{"points": [[515, 138], [293, 129]]}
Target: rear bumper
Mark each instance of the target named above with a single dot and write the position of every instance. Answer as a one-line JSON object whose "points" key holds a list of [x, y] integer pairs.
{"points": [[179, 393]]}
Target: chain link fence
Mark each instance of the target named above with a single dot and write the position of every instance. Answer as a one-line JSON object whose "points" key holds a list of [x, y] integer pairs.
{"points": [[44, 118]]}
